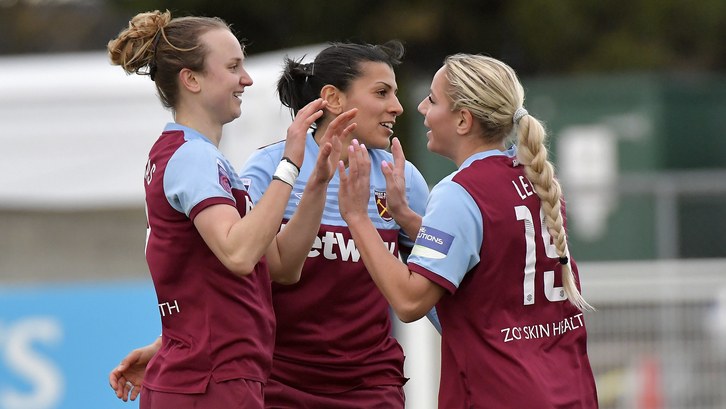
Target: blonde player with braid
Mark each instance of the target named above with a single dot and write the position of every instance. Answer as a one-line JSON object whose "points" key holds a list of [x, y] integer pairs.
{"points": [[491, 253]]}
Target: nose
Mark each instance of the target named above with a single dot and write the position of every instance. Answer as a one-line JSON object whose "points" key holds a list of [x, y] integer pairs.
{"points": [[396, 108], [245, 79], [422, 106]]}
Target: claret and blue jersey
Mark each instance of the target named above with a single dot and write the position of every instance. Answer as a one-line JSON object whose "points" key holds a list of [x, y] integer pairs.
{"points": [[509, 335], [334, 328], [203, 305]]}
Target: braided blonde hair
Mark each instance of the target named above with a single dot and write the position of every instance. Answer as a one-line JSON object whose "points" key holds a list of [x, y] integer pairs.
{"points": [[491, 91]]}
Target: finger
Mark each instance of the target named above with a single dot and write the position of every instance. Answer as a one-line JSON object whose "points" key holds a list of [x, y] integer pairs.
{"points": [[352, 163], [127, 388], [135, 392], [348, 129], [399, 159], [339, 125], [311, 110], [343, 119], [341, 173], [120, 388], [364, 161], [309, 120], [312, 106], [324, 153], [387, 170]]}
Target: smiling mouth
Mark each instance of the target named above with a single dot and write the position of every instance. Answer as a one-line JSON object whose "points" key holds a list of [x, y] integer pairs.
{"points": [[388, 125], [237, 94]]}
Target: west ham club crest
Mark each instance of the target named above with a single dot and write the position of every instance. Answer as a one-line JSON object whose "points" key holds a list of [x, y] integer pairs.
{"points": [[382, 206]]}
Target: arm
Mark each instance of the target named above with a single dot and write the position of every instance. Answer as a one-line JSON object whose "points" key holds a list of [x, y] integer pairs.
{"points": [[129, 374], [398, 207], [290, 248], [239, 243], [410, 294]]}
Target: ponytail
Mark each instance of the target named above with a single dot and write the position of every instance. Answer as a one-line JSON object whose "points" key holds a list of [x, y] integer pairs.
{"points": [[532, 153]]}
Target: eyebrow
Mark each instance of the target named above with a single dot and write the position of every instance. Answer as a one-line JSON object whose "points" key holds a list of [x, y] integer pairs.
{"points": [[387, 85]]}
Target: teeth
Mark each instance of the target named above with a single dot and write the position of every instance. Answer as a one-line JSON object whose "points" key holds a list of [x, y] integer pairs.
{"points": [[388, 125], [237, 94]]}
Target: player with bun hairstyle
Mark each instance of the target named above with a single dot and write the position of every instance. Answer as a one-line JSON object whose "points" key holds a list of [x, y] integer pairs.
{"points": [[333, 347], [205, 241], [491, 253]]}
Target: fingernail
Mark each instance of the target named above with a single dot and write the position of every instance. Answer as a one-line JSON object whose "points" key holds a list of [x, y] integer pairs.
{"points": [[384, 164], [355, 142], [362, 146]]}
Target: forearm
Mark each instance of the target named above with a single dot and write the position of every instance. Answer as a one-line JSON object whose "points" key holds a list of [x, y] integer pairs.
{"points": [[409, 221], [239, 243], [404, 290], [291, 246]]}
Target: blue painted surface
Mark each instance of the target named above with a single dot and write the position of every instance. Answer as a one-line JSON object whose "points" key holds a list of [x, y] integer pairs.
{"points": [[58, 342]]}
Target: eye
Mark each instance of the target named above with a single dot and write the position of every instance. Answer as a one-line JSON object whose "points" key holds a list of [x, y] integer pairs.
{"points": [[233, 67], [430, 99], [381, 92]]}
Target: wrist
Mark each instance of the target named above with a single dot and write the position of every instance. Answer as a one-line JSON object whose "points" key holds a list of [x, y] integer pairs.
{"points": [[287, 171]]}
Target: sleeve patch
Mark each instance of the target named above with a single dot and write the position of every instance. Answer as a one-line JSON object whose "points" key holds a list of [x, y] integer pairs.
{"points": [[224, 178], [247, 182], [432, 243]]}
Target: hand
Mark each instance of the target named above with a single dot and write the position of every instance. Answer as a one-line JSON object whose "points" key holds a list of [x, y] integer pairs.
{"points": [[129, 375], [395, 175], [331, 145], [355, 191], [298, 130]]}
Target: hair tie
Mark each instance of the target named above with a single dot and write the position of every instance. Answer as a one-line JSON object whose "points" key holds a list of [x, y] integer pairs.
{"points": [[564, 260], [518, 114], [152, 64], [310, 66]]}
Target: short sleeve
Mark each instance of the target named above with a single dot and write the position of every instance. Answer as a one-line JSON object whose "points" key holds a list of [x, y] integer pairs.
{"points": [[256, 174], [449, 242], [197, 171]]}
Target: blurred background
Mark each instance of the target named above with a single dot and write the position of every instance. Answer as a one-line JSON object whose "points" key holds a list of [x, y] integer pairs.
{"points": [[633, 95]]}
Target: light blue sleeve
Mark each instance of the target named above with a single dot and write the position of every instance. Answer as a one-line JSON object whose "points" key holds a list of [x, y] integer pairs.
{"points": [[195, 172], [417, 193], [434, 319], [257, 173], [449, 242]]}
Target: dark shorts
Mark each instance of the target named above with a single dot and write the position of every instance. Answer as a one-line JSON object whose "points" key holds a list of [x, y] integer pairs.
{"points": [[233, 394], [279, 396]]}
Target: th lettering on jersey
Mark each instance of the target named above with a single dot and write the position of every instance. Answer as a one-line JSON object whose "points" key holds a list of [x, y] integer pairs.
{"points": [[168, 308]]}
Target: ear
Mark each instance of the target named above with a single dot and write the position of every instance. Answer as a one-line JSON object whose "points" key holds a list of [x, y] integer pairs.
{"points": [[189, 80], [465, 121], [335, 98]]}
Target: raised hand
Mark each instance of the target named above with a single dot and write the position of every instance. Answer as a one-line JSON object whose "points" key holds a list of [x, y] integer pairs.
{"points": [[298, 130], [331, 146], [395, 181], [355, 191]]}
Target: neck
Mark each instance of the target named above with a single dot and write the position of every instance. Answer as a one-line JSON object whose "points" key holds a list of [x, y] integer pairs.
{"points": [[476, 145], [198, 120]]}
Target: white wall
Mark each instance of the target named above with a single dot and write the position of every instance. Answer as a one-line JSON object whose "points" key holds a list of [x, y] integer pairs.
{"points": [[75, 131]]}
